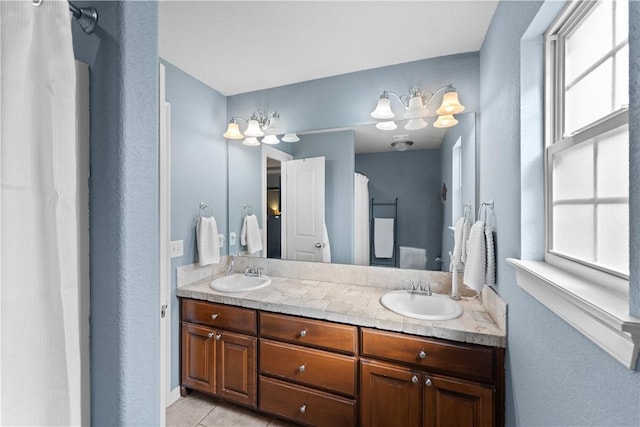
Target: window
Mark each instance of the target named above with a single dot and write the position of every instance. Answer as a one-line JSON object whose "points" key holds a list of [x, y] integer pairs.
{"points": [[587, 140]]}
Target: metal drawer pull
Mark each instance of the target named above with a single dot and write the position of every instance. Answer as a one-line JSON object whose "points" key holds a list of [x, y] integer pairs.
{"points": [[218, 336], [422, 354], [210, 334], [428, 382], [302, 368], [414, 379], [303, 409], [214, 316], [303, 333]]}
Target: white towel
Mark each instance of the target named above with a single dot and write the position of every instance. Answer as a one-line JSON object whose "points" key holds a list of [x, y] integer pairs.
{"points": [[491, 256], [207, 241], [475, 269], [383, 237], [413, 258], [250, 234], [460, 242], [326, 249]]}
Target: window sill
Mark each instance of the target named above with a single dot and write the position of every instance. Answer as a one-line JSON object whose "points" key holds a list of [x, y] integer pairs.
{"points": [[600, 315]]}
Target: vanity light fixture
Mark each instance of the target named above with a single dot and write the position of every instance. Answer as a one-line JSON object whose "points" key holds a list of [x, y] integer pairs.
{"points": [[290, 137], [415, 104], [259, 125]]}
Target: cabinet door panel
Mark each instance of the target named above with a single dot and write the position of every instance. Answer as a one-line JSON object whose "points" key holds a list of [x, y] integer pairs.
{"points": [[451, 402], [237, 372], [198, 358], [389, 395]]}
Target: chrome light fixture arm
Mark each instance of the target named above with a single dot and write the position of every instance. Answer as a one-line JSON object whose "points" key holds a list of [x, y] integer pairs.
{"points": [[447, 88]]}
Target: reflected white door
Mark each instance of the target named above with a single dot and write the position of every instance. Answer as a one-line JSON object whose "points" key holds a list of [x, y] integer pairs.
{"points": [[304, 209]]}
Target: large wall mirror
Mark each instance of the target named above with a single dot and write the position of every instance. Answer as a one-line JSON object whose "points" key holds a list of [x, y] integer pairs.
{"points": [[350, 196]]}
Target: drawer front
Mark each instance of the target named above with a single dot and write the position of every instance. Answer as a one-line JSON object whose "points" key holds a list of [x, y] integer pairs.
{"points": [[332, 372], [474, 362], [314, 333], [219, 315], [304, 405]]}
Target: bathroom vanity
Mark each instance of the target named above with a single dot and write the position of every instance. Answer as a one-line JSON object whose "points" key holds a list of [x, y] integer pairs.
{"points": [[347, 362]]}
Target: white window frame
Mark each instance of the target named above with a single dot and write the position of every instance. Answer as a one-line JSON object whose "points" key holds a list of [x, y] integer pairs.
{"points": [[592, 300], [557, 141]]}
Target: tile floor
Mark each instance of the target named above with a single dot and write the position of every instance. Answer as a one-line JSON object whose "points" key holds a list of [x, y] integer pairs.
{"points": [[200, 410]]}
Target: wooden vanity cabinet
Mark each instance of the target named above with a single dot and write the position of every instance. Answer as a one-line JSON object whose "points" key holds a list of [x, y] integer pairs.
{"points": [[408, 382], [217, 361]]}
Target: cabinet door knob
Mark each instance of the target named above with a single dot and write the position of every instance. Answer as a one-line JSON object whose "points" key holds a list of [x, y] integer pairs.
{"points": [[428, 382], [218, 336], [414, 379], [214, 316], [303, 333], [422, 354], [210, 334], [303, 409], [302, 368]]}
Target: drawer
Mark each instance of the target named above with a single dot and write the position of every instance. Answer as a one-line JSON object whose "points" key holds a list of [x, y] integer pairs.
{"points": [[313, 333], [219, 315], [317, 368], [304, 405], [467, 360]]}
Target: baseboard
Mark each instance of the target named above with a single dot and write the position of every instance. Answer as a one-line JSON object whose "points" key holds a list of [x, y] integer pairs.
{"points": [[173, 396]]}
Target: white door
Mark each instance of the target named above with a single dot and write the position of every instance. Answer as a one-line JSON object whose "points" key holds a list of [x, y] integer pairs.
{"points": [[304, 209]]}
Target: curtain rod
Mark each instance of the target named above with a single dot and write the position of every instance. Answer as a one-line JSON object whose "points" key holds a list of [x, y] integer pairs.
{"points": [[87, 17]]}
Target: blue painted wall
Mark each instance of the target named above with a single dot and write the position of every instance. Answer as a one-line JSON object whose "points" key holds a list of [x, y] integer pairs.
{"points": [[199, 173], [414, 178], [634, 155], [125, 292], [338, 149], [245, 187], [555, 376], [346, 100], [465, 130]]}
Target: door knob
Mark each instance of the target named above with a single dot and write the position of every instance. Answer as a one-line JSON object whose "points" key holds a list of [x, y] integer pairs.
{"points": [[214, 316], [210, 334], [319, 245], [422, 355], [303, 333], [303, 409], [218, 336], [428, 382], [302, 368], [414, 379]]}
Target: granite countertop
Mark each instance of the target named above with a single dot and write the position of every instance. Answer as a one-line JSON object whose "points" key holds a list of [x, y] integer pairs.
{"points": [[355, 305]]}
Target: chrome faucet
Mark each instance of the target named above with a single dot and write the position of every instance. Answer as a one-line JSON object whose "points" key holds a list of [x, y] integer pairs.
{"points": [[230, 264], [419, 287], [253, 271]]}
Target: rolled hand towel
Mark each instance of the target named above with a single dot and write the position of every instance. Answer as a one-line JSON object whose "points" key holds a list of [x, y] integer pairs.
{"points": [[207, 241]]}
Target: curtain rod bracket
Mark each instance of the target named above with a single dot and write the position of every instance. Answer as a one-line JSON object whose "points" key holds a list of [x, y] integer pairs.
{"points": [[87, 17]]}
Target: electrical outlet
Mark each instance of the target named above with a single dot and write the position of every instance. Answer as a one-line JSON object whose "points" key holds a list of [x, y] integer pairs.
{"points": [[177, 248], [232, 238]]}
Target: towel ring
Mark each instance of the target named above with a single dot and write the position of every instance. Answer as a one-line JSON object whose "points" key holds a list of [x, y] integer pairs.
{"points": [[204, 207]]}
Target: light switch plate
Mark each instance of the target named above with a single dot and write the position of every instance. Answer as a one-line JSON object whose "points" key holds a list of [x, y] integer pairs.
{"points": [[177, 248], [232, 238]]}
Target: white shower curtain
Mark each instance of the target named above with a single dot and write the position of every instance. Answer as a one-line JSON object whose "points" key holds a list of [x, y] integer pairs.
{"points": [[361, 220], [39, 325]]}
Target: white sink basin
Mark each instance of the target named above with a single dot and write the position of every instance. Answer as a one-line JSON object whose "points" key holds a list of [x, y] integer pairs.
{"points": [[421, 306], [239, 283]]}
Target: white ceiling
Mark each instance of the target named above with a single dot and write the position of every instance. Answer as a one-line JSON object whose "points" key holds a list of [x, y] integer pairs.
{"points": [[243, 46]]}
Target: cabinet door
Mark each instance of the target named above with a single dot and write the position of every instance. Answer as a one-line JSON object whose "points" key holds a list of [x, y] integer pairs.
{"points": [[237, 373], [198, 358], [451, 402], [390, 395]]}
